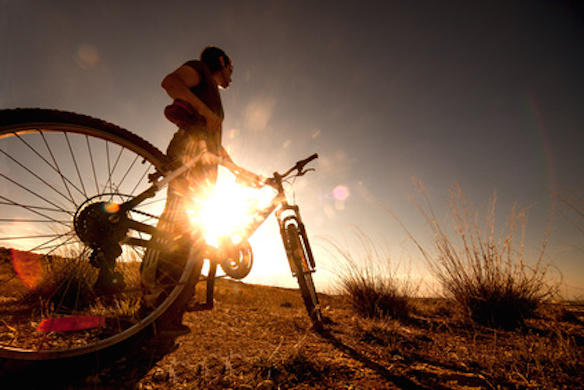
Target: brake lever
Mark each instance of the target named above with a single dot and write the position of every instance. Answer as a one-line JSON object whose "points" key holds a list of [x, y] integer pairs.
{"points": [[302, 173]]}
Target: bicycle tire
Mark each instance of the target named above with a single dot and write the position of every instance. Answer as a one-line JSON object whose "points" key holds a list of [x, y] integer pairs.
{"points": [[303, 273], [54, 166]]}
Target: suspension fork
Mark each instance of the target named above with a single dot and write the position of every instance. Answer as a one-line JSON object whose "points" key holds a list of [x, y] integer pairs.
{"points": [[295, 218]]}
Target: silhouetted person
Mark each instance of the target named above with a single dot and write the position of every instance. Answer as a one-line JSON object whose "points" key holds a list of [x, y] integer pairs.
{"points": [[198, 113]]}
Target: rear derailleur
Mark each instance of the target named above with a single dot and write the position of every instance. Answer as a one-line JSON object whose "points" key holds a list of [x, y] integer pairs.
{"points": [[101, 226]]}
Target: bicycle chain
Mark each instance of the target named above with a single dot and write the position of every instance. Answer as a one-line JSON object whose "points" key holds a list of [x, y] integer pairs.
{"points": [[145, 214]]}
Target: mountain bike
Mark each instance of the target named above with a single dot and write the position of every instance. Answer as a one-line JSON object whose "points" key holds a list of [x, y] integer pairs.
{"points": [[294, 237], [80, 199]]}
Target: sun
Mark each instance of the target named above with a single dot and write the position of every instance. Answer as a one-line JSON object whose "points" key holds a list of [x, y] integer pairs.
{"points": [[226, 210]]}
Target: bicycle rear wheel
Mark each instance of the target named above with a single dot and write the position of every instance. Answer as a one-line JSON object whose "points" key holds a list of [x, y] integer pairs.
{"points": [[62, 179], [303, 272]]}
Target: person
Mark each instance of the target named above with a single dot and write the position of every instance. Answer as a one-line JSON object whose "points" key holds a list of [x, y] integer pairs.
{"points": [[198, 112]]}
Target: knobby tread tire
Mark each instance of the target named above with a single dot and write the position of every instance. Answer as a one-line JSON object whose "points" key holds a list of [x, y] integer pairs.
{"points": [[305, 281], [24, 120], [10, 119]]}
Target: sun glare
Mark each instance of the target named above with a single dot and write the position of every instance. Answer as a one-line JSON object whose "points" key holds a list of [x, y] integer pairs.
{"points": [[230, 208], [227, 210]]}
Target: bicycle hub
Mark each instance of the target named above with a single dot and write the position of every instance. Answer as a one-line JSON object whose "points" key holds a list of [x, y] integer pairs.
{"points": [[100, 224]]}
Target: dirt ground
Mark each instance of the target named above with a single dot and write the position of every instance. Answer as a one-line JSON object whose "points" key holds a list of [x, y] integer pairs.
{"points": [[261, 338]]}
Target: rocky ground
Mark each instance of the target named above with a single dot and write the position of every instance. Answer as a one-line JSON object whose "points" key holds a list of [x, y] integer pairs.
{"points": [[260, 338]]}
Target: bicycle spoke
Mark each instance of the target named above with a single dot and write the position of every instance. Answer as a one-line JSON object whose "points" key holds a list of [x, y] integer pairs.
{"points": [[155, 201], [111, 171], [95, 181], [140, 181], [75, 164], [56, 237], [36, 176], [27, 237], [9, 202], [56, 167], [69, 242], [34, 193], [21, 220], [127, 172]]}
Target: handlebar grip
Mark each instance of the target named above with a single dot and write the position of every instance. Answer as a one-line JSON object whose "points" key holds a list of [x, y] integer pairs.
{"points": [[300, 164], [313, 157]]}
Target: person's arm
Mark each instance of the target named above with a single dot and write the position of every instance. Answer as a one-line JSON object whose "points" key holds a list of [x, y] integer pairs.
{"points": [[177, 85], [243, 175]]}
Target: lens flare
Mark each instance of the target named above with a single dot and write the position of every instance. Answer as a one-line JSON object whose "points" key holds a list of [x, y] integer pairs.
{"points": [[341, 192], [87, 56], [111, 207], [28, 266], [226, 211]]}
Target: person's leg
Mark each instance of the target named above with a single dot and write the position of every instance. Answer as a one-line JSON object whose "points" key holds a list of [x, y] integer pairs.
{"points": [[183, 241]]}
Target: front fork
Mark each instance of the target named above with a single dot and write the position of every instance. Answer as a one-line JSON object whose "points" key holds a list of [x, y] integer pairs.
{"points": [[293, 217]]}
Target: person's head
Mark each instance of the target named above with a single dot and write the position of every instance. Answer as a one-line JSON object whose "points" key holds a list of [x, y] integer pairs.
{"points": [[219, 65]]}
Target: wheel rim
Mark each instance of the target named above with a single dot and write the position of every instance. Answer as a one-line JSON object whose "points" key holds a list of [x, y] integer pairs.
{"points": [[49, 173]]}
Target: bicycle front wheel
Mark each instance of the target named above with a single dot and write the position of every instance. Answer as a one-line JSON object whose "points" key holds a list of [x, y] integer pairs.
{"points": [[302, 271], [62, 178]]}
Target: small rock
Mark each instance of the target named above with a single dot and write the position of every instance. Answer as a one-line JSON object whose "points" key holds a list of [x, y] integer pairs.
{"points": [[225, 382], [266, 385], [160, 375]]}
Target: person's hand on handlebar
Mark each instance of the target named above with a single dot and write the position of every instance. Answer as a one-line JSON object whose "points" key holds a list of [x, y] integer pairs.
{"points": [[242, 176], [250, 179]]}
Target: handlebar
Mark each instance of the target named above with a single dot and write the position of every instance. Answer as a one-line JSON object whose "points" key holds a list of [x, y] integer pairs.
{"points": [[276, 179], [299, 166]]}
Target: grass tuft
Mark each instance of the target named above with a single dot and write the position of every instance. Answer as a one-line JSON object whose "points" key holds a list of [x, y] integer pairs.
{"points": [[486, 272], [374, 296], [66, 285], [370, 284]]}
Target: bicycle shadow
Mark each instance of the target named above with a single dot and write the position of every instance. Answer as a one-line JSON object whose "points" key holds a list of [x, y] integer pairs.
{"points": [[119, 367], [399, 381]]}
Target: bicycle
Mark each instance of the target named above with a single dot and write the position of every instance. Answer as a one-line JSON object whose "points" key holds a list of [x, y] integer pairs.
{"points": [[79, 203]]}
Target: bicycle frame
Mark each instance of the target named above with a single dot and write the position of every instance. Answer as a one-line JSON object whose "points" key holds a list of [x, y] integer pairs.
{"points": [[286, 214], [279, 203]]}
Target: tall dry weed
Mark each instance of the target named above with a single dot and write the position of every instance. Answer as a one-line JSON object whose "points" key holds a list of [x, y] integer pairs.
{"points": [[573, 202], [485, 270]]}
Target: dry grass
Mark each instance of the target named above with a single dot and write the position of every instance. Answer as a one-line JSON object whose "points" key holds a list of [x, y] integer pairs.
{"points": [[573, 202], [67, 284], [368, 281], [64, 285], [485, 271], [260, 338]]}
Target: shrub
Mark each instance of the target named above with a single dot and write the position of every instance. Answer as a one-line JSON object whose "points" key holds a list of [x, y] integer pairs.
{"points": [[370, 284], [375, 296], [484, 272]]}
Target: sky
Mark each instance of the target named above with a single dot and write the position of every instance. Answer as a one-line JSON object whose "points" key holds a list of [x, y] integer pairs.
{"points": [[486, 95]]}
